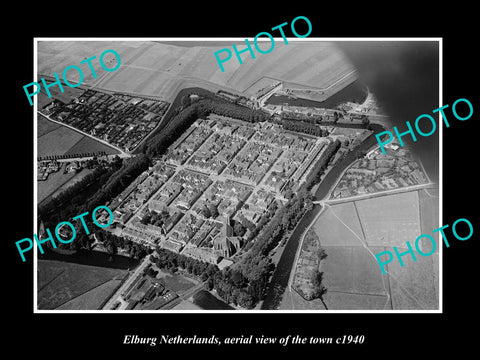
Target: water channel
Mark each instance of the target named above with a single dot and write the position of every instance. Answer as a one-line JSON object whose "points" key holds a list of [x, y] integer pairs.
{"points": [[281, 275], [355, 92]]}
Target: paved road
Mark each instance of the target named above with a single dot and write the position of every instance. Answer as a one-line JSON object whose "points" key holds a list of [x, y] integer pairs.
{"points": [[126, 284], [373, 195]]}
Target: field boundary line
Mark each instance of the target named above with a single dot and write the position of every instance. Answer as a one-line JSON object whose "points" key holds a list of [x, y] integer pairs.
{"points": [[357, 293], [86, 291], [49, 282], [393, 277]]}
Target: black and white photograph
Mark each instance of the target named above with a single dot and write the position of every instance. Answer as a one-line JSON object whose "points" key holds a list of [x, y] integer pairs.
{"points": [[270, 184], [203, 181]]}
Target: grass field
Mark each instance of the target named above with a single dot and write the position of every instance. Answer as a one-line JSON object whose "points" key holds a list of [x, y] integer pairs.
{"points": [[54, 182], [87, 145], [61, 282], [350, 301], [415, 285], [157, 68], [57, 182], [390, 220], [176, 282], [94, 298], [66, 96], [351, 273], [42, 99], [429, 211], [331, 230], [44, 126], [55, 139], [58, 141], [352, 269]]}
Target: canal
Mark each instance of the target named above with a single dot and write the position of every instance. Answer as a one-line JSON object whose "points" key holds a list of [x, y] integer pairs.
{"points": [[281, 275]]}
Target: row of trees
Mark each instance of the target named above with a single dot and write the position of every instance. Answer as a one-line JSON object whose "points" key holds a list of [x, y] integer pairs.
{"points": [[314, 176], [256, 266], [70, 200], [313, 119], [171, 261], [69, 156], [302, 127], [103, 183], [191, 111]]}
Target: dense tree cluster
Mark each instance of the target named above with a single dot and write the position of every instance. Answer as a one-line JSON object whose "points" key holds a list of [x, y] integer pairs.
{"points": [[232, 286], [112, 242], [302, 127], [158, 144], [154, 218], [172, 261], [318, 289], [225, 108], [70, 200]]}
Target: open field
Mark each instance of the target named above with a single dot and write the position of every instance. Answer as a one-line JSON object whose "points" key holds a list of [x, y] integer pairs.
{"points": [[352, 269], [58, 141], [156, 68], [57, 182], [60, 282], [93, 299], [415, 285], [390, 220], [186, 305], [44, 126], [331, 230], [351, 273], [42, 99], [55, 139], [54, 182], [429, 211], [351, 301], [176, 282], [88, 145], [66, 96]]}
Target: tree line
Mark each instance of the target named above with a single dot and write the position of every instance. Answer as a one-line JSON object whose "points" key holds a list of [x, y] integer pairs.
{"points": [[245, 284], [112, 243], [191, 111], [302, 127], [106, 183], [172, 261], [315, 174]]}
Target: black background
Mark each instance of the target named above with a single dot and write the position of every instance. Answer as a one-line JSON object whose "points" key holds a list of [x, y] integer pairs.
{"points": [[66, 335]]}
